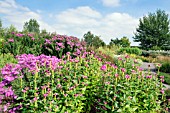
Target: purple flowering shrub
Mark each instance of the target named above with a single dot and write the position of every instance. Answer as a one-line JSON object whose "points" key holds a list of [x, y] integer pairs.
{"points": [[37, 44], [82, 84], [59, 45]]}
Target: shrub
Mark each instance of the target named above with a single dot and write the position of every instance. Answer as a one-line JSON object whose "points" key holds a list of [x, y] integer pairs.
{"points": [[83, 84], [136, 51], [48, 44], [165, 67]]}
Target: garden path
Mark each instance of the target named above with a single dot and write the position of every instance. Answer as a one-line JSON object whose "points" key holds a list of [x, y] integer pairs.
{"points": [[153, 69]]}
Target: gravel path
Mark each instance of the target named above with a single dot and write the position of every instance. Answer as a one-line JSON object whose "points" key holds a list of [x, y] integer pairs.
{"points": [[145, 66]]}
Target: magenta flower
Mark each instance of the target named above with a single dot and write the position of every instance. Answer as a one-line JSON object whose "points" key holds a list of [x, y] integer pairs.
{"points": [[105, 102], [103, 68], [33, 38], [59, 86], [123, 70], [24, 91], [59, 44], [11, 40], [47, 41], [9, 92], [162, 91], [76, 95], [119, 58], [162, 77], [30, 35], [149, 76], [162, 80], [127, 56], [140, 69], [115, 67], [116, 75], [19, 34], [127, 76], [84, 76], [45, 95], [135, 61], [169, 100], [5, 108], [107, 83], [133, 71], [35, 99]]}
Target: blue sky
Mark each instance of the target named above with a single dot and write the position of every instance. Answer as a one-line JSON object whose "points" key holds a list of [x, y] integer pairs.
{"points": [[105, 18]]}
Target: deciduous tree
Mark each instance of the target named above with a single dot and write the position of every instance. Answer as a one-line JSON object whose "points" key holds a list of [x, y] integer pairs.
{"points": [[31, 26]]}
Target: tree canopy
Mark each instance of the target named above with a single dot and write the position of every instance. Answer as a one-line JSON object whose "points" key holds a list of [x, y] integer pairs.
{"points": [[31, 26], [92, 40], [0, 24], [153, 31], [123, 42]]}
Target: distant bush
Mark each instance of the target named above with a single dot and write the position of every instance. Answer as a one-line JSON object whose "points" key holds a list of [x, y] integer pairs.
{"points": [[165, 67], [136, 51]]}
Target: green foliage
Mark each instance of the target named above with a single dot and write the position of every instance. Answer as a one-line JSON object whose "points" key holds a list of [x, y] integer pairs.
{"points": [[107, 51], [6, 59], [92, 40], [1, 29], [165, 67], [0, 24], [153, 31], [155, 48], [123, 42], [136, 51], [31, 26]]}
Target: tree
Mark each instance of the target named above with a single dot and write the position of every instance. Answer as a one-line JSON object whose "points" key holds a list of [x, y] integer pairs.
{"points": [[11, 29], [153, 31], [31, 26], [88, 38], [123, 42], [1, 29], [0, 24], [92, 40], [44, 31], [115, 42]]}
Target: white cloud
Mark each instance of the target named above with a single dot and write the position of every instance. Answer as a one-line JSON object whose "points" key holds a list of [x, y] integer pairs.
{"points": [[81, 16], [111, 3], [17, 14], [78, 21]]}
